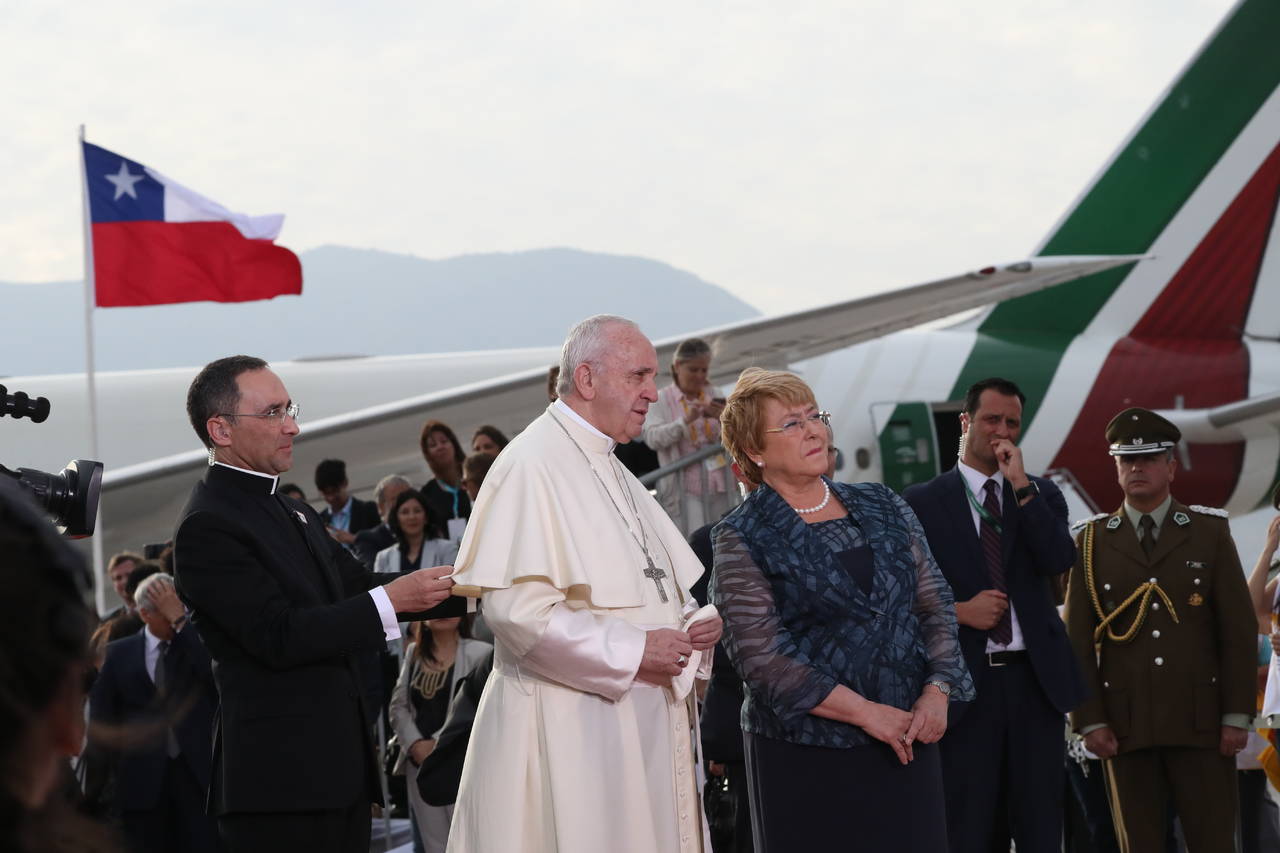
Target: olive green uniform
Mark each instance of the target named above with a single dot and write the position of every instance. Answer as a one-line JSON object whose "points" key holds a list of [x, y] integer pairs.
{"points": [[1177, 659]]}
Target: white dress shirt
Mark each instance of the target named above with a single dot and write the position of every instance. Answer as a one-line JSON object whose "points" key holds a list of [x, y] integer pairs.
{"points": [[977, 485]]}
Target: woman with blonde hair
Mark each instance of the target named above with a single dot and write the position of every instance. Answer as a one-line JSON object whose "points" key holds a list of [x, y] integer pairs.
{"points": [[843, 630], [686, 418]]}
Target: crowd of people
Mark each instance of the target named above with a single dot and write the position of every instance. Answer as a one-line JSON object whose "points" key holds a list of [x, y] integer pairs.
{"points": [[521, 647]]}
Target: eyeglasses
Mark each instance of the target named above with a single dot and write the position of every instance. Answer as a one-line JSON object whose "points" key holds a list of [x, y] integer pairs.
{"points": [[274, 414], [790, 427]]}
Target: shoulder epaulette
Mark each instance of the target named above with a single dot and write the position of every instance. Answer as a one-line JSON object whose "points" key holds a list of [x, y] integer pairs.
{"points": [[1082, 522], [1209, 510]]}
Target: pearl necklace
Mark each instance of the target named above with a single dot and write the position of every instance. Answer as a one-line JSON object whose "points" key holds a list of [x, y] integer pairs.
{"points": [[826, 497]]}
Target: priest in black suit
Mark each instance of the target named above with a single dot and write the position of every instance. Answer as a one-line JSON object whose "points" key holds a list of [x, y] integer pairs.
{"points": [[283, 610], [1000, 537]]}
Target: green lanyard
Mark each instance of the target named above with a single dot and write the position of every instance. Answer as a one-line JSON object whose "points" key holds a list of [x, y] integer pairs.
{"points": [[983, 512]]}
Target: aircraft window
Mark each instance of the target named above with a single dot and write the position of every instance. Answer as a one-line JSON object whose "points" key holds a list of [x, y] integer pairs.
{"points": [[862, 457]]}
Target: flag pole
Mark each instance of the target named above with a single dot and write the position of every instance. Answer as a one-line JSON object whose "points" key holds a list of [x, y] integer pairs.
{"points": [[99, 585]]}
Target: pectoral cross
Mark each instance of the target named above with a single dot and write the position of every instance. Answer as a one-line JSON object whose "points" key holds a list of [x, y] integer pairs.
{"points": [[656, 575]]}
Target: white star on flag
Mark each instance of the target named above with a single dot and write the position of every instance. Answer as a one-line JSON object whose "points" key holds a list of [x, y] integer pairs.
{"points": [[124, 182]]}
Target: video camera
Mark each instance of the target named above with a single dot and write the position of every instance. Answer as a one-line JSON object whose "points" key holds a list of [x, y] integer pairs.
{"points": [[71, 496]]}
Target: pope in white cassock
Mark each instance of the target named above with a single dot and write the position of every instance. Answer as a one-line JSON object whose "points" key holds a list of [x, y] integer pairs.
{"points": [[583, 740]]}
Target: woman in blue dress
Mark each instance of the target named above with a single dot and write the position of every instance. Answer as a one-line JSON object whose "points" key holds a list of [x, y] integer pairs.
{"points": [[843, 630]]}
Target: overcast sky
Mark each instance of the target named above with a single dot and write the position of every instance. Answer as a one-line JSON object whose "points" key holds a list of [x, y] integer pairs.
{"points": [[792, 152]]}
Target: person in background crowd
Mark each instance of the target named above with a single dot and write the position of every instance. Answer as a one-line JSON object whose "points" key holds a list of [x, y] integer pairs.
{"points": [[1000, 535], [44, 658], [372, 540], [1259, 822], [443, 495], [488, 439], [294, 491], [344, 516], [441, 654], [131, 623], [721, 721], [152, 710], [553, 377], [844, 631], [474, 469], [412, 525], [118, 569], [1159, 615], [686, 418]]}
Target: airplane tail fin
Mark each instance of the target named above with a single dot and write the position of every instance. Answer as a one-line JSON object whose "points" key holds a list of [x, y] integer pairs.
{"points": [[1195, 186]]}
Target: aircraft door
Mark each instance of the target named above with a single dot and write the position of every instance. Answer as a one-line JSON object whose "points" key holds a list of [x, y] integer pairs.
{"points": [[908, 443]]}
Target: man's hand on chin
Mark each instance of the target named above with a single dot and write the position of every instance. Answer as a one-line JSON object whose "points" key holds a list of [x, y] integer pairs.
{"points": [[420, 590]]}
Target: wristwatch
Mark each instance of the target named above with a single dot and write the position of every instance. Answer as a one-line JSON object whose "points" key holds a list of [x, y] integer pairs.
{"points": [[1029, 490], [943, 687]]}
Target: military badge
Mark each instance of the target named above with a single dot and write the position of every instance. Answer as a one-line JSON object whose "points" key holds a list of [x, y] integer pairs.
{"points": [[1196, 599], [1196, 564], [1114, 522], [1181, 519]]}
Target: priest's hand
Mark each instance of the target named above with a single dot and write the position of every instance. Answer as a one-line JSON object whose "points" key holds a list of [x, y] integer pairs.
{"points": [[705, 633], [420, 590], [666, 653]]}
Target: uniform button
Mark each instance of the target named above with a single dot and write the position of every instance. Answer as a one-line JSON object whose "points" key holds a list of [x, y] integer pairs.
{"points": [[1106, 684], [1155, 605], [1197, 581], [1156, 633], [1153, 580], [1106, 586], [1159, 661], [1213, 679]]}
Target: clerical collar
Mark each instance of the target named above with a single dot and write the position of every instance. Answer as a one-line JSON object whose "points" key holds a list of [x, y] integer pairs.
{"points": [[977, 481], [562, 406], [252, 486], [1157, 514]]}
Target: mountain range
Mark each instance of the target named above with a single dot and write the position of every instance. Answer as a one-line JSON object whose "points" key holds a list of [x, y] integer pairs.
{"points": [[368, 302]]}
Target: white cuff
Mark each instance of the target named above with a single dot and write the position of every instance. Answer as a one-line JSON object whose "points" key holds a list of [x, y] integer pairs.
{"points": [[387, 613], [595, 654]]}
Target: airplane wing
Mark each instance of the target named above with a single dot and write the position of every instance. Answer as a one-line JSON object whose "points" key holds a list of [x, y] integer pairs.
{"points": [[1238, 421], [141, 502]]}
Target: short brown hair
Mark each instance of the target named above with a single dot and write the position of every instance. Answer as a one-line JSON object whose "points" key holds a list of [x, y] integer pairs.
{"points": [[476, 467], [742, 421], [122, 557]]}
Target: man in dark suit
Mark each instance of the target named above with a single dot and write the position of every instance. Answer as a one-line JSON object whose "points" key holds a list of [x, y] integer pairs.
{"points": [[283, 610], [153, 706], [344, 516], [1000, 537]]}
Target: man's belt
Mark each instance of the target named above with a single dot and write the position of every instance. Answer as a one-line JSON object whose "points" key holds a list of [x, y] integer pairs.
{"points": [[1006, 658]]}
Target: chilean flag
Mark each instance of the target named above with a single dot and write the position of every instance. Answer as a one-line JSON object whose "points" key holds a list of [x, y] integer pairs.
{"points": [[157, 242]]}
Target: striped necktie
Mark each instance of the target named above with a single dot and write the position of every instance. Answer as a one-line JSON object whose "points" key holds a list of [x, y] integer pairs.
{"points": [[992, 549]]}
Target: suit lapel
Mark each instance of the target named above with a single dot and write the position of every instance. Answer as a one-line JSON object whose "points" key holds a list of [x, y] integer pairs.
{"points": [[1009, 523], [955, 504], [326, 569]]}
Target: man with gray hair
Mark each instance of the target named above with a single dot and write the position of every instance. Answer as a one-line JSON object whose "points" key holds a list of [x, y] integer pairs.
{"points": [[369, 542], [582, 740], [157, 685]]}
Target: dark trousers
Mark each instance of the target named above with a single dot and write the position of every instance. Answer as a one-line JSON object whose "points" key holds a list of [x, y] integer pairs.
{"points": [[1199, 783], [1259, 818], [329, 831], [1002, 766], [178, 821]]}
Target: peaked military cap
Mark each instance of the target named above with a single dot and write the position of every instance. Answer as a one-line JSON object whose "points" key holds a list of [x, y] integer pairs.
{"points": [[1137, 431]]}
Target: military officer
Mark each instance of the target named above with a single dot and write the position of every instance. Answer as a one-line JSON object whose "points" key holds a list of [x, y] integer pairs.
{"points": [[1160, 618]]}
